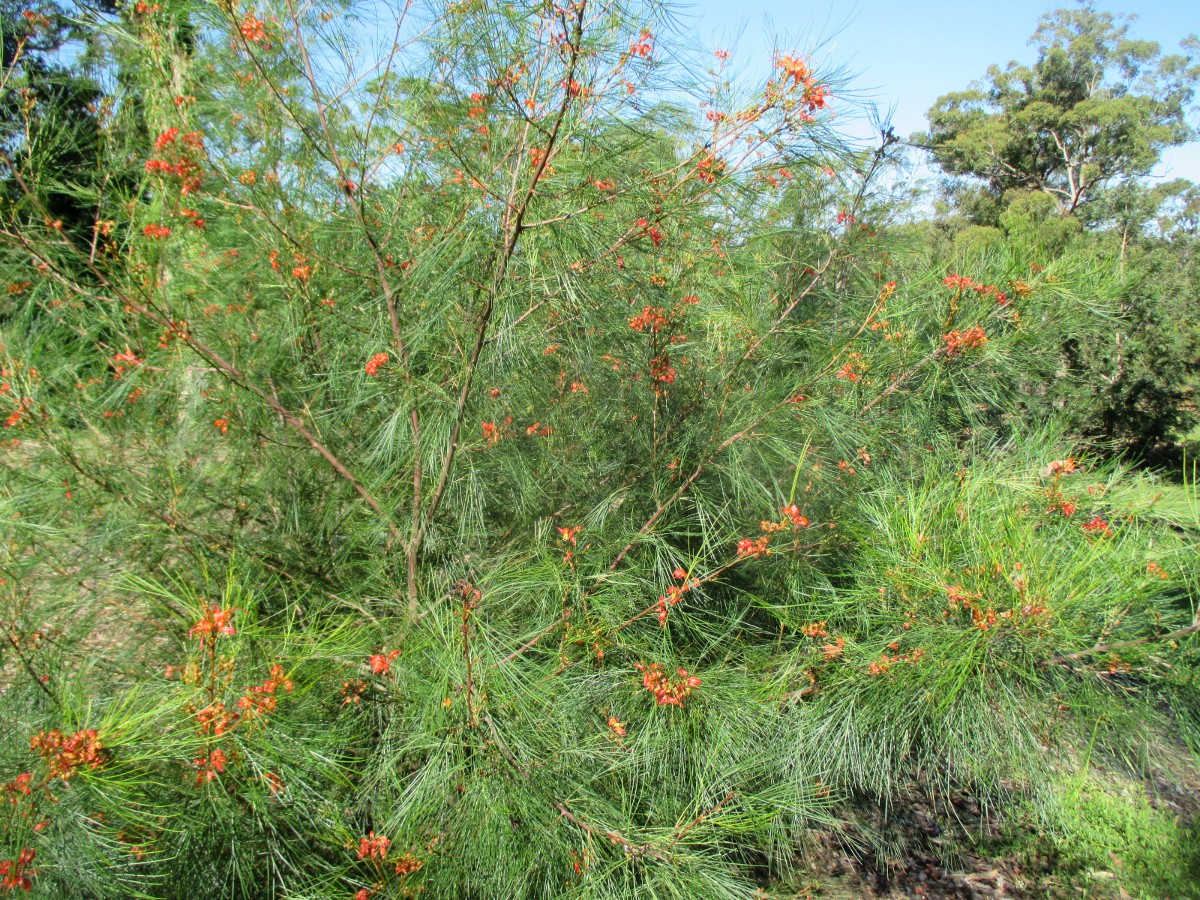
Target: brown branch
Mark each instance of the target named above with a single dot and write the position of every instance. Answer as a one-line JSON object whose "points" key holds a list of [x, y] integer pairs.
{"points": [[895, 385], [514, 218], [1105, 648], [613, 836]]}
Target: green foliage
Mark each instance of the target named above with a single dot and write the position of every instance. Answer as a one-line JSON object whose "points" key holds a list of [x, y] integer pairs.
{"points": [[1103, 836], [506, 468]]}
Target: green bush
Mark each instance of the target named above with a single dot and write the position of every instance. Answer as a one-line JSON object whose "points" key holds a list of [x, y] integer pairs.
{"points": [[458, 478]]}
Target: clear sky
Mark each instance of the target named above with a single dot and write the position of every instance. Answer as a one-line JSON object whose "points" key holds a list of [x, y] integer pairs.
{"points": [[903, 55]]}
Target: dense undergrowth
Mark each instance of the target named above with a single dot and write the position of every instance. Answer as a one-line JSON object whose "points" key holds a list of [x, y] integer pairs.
{"points": [[518, 469]]}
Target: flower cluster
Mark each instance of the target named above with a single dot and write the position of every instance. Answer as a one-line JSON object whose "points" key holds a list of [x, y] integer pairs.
{"points": [[124, 360], [754, 547], [216, 719], [166, 139], [792, 512], [16, 873], [673, 595], [651, 231], [651, 317], [666, 691], [710, 168], [216, 622], [372, 847], [184, 168], [813, 96], [210, 766], [958, 341], [1059, 503], [885, 662], [65, 755], [253, 30], [661, 370], [373, 364], [834, 650], [961, 283], [853, 370], [19, 787], [260, 698], [1058, 468], [352, 691], [643, 46], [1097, 525], [381, 662]]}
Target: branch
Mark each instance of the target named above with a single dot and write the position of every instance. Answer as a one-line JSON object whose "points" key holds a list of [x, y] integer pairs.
{"points": [[1105, 648]]}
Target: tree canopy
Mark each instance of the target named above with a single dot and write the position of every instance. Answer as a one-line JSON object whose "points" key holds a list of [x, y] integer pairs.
{"points": [[1095, 108]]}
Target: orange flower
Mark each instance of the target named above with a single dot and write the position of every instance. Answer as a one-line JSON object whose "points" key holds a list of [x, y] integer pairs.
{"points": [[252, 29], [666, 691], [66, 754], [381, 663], [793, 68], [216, 622], [165, 139], [372, 847], [970, 339], [379, 359]]}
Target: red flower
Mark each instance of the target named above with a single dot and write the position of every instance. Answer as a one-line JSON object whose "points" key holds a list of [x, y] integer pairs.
{"points": [[793, 512], [957, 341], [66, 754], [252, 29], [643, 46], [793, 68], [381, 663], [666, 691], [372, 847], [124, 359], [754, 547], [379, 359], [651, 317], [165, 139], [16, 873], [209, 766], [216, 621]]}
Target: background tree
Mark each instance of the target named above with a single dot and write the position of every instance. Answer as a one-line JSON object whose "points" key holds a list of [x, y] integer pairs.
{"points": [[1096, 108]]}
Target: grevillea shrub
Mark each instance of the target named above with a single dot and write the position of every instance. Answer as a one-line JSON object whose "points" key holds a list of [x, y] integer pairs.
{"points": [[516, 463]]}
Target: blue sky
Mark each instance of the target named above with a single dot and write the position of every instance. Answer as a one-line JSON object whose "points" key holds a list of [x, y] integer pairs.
{"points": [[904, 55]]}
